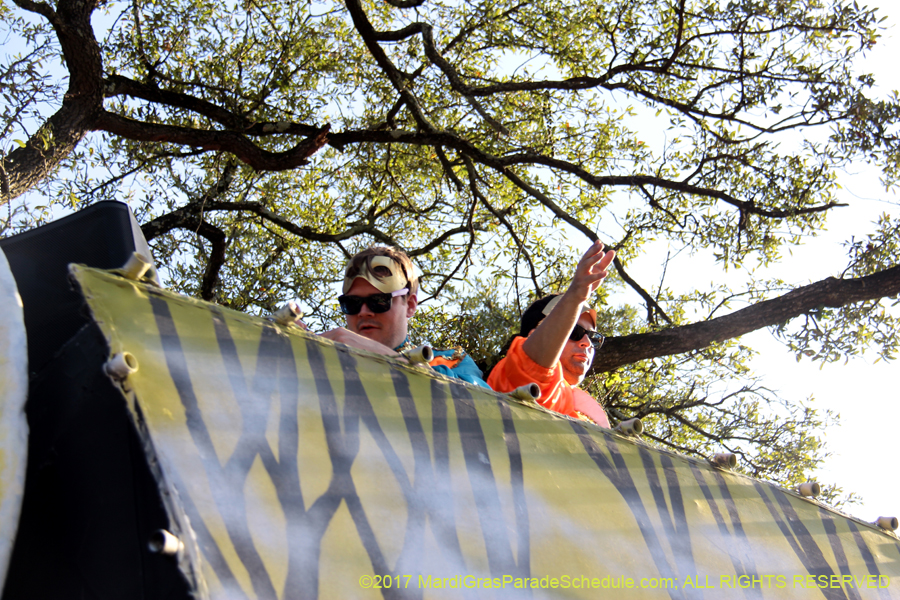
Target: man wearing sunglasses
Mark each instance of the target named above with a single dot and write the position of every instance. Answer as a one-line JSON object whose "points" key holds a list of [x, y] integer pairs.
{"points": [[379, 298], [556, 344]]}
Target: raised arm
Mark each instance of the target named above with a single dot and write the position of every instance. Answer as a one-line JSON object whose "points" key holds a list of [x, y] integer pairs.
{"points": [[545, 344]]}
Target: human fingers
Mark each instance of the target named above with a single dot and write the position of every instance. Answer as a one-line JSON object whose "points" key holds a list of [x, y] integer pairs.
{"points": [[594, 250], [589, 258], [606, 260], [334, 335], [600, 270], [597, 265]]}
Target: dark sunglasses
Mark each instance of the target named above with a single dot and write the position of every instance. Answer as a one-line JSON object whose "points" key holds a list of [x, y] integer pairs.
{"points": [[595, 337], [377, 303]]}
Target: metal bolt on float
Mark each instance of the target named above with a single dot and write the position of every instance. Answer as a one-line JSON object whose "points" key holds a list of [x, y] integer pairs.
{"points": [[288, 314], [531, 392], [630, 427], [419, 355], [163, 542], [136, 267], [724, 460], [810, 489], [139, 268], [121, 366]]}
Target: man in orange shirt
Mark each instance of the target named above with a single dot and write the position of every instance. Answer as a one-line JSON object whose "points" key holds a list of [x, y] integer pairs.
{"points": [[556, 344]]}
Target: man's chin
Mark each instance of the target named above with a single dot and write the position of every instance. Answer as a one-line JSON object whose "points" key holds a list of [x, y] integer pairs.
{"points": [[576, 371]]}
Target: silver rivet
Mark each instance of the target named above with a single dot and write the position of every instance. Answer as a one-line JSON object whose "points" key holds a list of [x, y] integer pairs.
{"points": [[163, 542], [630, 427], [121, 366], [419, 355], [532, 392], [724, 460], [809, 489], [136, 267], [287, 314]]}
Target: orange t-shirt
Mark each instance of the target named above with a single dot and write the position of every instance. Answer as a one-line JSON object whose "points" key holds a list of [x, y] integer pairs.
{"points": [[517, 369]]}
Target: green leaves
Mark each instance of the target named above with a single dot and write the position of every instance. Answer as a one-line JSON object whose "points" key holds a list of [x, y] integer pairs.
{"points": [[492, 141]]}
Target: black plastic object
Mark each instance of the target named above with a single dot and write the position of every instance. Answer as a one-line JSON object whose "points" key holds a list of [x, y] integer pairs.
{"points": [[91, 502], [103, 235]]}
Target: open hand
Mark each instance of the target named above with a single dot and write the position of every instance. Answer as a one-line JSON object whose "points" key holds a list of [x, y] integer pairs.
{"points": [[591, 271]]}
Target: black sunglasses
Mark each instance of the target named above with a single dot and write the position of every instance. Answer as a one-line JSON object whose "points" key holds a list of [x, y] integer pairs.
{"points": [[595, 337], [377, 303]]}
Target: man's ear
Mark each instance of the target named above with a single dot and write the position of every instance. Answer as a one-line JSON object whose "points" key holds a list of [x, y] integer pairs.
{"points": [[411, 304]]}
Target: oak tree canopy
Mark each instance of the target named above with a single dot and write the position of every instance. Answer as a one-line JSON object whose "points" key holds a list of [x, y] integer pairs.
{"points": [[262, 142]]}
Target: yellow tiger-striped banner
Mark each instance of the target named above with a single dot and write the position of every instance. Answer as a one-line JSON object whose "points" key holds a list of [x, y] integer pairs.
{"points": [[294, 467]]}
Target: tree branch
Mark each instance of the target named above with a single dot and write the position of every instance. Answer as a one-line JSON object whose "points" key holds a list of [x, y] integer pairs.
{"points": [[61, 133], [117, 84], [678, 186], [227, 141], [188, 218], [502, 218], [216, 256], [397, 79], [653, 307], [304, 232], [192, 211], [405, 3], [502, 164], [830, 292]]}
